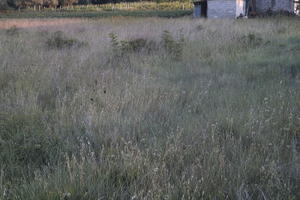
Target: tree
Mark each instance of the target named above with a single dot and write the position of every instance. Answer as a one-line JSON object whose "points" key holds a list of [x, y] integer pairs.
{"points": [[67, 2], [3, 5], [38, 2], [19, 3], [50, 3], [84, 2]]}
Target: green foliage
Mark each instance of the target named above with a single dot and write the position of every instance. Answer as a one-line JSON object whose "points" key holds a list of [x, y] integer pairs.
{"points": [[139, 45], [114, 41], [62, 2], [12, 3], [101, 4], [3, 5], [135, 45], [59, 41], [251, 40], [173, 47], [67, 2], [84, 2]]}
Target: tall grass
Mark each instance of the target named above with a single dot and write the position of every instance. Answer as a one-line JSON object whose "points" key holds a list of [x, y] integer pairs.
{"points": [[122, 118]]}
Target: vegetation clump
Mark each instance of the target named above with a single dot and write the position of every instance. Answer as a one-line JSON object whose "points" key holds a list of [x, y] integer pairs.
{"points": [[141, 45], [171, 46], [251, 40], [59, 41]]}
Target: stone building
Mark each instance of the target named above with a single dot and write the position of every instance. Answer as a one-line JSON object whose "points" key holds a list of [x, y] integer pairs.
{"points": [[248, 7]]}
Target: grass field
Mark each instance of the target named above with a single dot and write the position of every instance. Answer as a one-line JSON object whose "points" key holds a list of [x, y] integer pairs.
{"points": [[150, 108]]}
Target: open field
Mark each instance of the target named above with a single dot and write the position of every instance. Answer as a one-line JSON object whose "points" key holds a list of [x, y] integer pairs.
{"points": [[96, 14], [150, 108]]}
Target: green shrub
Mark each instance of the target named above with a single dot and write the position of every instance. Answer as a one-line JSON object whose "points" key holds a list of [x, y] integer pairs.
{"points": [[251, 40], [115, 44], [172, 46], [132, 45], [59, 41], [138, 45]]}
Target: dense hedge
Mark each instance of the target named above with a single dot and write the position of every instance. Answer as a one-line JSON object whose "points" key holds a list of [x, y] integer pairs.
{"points": [[46, 3]]}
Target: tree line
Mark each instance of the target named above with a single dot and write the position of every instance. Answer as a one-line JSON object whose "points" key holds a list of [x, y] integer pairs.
{"points": [[28, 3], [4, 4]]}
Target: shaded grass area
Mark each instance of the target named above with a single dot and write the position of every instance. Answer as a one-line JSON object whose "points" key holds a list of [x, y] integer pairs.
{"points": [[97, 14], [181, 109]]}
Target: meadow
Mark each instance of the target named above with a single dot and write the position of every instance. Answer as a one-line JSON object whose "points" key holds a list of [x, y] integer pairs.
{"points": [[150, 108]]}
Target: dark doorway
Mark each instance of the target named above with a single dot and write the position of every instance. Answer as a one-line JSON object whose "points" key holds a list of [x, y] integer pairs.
{"points": [[200, 8]]}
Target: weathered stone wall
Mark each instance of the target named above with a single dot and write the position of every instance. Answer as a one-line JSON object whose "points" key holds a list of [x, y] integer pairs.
{"points": [[274, 5]]}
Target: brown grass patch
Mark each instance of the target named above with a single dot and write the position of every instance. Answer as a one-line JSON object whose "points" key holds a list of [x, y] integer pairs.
{"points": [[30, 23]]}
